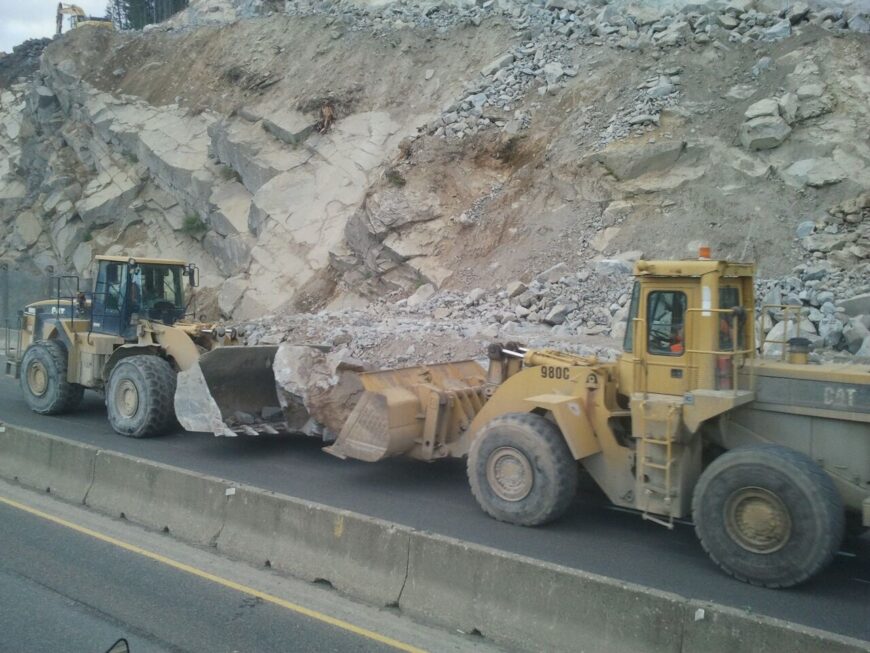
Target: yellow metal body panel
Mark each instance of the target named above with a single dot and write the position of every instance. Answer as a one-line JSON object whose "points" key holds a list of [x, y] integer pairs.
{"points": [[570, 415], [693, 268], [512, 395], [701, 405], [138, 259], [104, 24], [859, 374]]}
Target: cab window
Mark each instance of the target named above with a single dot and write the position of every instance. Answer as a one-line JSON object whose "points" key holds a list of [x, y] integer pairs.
{"points": [[666, 311], [110, 287], [729, 297]]}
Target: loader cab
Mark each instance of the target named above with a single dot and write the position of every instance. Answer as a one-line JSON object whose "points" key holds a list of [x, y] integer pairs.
{"points": [[128, 290], [689, 326]]}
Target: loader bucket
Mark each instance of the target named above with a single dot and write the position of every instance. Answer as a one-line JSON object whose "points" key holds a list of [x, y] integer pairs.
{"points": [[390, 417], [230, 390]]}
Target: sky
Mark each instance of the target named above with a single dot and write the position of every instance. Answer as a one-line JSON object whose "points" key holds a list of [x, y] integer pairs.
{"points": [[26, 19]]}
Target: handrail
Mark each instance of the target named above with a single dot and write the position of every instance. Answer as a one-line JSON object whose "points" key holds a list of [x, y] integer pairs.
{"points": [[72, 298], [8, 349], [638, 361], [734, 355]]}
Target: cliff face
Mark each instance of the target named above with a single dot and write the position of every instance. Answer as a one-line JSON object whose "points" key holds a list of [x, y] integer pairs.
{"points": [[471, 146]]}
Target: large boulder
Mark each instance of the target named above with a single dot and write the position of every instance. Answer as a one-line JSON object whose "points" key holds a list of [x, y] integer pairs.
{"points": [[765, 107], [854, 334], [634, 160], [423, 294], [857, 305], [782, 332], [764, 132], [813, 172], [27, 228], [325, 385]]}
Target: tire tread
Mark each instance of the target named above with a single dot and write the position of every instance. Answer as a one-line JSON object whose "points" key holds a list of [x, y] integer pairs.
{"points": [[821, 482], [69, 395], [160, 380], [565, 480]]}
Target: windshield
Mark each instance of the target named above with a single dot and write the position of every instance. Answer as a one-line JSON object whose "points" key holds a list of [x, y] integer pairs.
{"points": [[156, 288]]}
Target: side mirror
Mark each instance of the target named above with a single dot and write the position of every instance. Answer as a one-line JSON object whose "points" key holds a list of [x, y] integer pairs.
{"points": [[193, 275], [112, 273]]}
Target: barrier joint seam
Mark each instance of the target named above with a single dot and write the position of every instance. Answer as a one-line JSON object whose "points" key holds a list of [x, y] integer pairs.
{"points": [[407, 571], [93, 477]]}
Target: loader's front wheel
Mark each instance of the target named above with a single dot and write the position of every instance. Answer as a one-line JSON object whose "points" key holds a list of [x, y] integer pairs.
{"points": [[139, 396], [44, 382], [768, 515], [521, 470]]}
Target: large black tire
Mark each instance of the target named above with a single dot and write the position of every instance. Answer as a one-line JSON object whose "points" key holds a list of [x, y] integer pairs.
{"points": [[140, 395], [43, 379], [768, 515], [521, 470]]}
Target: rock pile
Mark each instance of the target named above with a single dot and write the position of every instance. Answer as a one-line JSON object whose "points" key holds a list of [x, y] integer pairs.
{"points": [[22, 61], [554, 28], [560, 307], [831, 293]]}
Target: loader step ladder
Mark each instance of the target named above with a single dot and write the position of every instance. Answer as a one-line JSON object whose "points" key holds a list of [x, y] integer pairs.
{"points": [[661, 462]]}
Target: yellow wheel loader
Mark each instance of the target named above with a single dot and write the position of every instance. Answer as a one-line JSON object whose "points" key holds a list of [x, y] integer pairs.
{"points": [[768, 457], [129, 339]]}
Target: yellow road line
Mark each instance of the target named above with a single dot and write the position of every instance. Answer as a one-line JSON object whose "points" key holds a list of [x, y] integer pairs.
{"points": [[308, 612]]}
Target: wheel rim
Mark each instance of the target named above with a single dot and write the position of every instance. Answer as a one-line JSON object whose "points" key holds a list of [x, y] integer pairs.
{"points": [[37, 378], [509, 474], [127, 398], [757, 520]]}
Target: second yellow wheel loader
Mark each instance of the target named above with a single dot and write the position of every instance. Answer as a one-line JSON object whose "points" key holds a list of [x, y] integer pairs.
{"points": [[768, 457], [129, 339]]}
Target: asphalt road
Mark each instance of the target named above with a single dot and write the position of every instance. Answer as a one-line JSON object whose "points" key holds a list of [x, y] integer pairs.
{"points": [[68, 591], [593, 536]]}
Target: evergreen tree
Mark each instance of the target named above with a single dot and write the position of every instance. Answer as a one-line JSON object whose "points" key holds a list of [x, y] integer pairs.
{"points": [[136, 14]]}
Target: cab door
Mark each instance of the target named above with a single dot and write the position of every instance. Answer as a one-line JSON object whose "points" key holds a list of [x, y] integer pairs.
{"points": [[109, 301], [665, 337]]}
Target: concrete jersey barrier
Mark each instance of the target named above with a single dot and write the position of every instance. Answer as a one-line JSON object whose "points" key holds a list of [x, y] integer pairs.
{"points": [[47, 463], [190, 506], [511, 599], [361, 556]]}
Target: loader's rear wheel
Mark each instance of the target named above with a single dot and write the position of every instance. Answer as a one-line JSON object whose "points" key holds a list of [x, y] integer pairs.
{"points": [[43, 379], [139, 396], [521, 470], [768, 515]]}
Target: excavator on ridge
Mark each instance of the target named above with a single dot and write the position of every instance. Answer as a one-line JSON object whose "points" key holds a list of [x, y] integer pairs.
{"points": [[78, 18]]}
